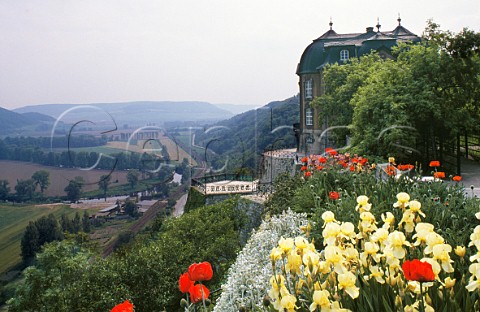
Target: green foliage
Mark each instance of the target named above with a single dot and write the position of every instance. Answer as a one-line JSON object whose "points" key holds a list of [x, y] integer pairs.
{"points": [[14, 219], [124, 238], [131, 208], [205, 234], [86, 223], [429, 93], [132, 178], [41, 178], [244, 137], [4, 189], [25, 189], [195, 200], [445, 205], [343, 81], [285, 189], [55, 281], [38, 233], [67, 278], [30, 241]]}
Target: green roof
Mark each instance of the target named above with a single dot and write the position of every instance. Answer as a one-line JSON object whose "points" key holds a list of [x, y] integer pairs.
{"points": [[326, 48]]}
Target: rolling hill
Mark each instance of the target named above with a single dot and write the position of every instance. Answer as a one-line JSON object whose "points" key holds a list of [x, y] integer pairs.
{"points": [[243, 138], [13, 123], [139, 113]]}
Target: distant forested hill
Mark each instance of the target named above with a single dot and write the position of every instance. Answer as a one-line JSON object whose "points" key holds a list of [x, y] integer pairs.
{"points": [[15, 123], [139, 113], [243, 138]]}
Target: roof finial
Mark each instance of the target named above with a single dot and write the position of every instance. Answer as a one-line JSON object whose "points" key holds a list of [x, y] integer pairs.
{"points": [[378, 24], [331, 23], [399, 20]]}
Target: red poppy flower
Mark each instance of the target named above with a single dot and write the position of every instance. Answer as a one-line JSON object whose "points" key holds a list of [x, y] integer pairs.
{"points": [[355, 160], [322, 159], [439, 175], [303, 168], [126, 306], [198, 292], [434, 163], [417, 270], [200, 271], [391, 170], [184, 282], [334, 195], [457, 178], [363, 161], [331, 151], [405, 167], [319, 167], [307, 174], [352, 168], [304, 159]]}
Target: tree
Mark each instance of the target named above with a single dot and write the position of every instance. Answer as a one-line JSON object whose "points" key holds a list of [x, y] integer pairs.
{"points": [[30, 242], [37, 233], [132, 177], [41, 178], [4, 189], [131, 208], [104, 183], [411, 106], [48, 229], [66, 224], [343, 81], [74, 189], [67, 277], [76, 222], [25, 189], [56, 282], [86, 224]]}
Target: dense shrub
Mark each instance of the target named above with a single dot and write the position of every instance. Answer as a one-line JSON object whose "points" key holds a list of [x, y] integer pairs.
{"points": [[146, 273]]}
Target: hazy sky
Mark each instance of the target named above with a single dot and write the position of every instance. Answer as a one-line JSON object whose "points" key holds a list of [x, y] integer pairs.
{"points": [[219, 51]]}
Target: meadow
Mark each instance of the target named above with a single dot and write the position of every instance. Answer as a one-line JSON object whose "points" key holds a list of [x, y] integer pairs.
{"points": [[13, 221], [184, 138]]}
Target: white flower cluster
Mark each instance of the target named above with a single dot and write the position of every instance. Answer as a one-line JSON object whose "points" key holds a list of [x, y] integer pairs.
{"points": [[248, 278]]}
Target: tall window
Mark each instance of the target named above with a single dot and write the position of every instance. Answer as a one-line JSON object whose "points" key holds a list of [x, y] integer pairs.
{"points": [[308, 117], [344, 55], [309, 89]]}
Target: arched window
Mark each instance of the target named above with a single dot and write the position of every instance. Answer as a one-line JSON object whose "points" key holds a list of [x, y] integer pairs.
{"points": [[344, 55], [308, 117], [309, 89]]}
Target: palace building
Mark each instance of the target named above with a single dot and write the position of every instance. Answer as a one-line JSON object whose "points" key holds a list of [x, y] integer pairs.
{"points": [[331, 48]]}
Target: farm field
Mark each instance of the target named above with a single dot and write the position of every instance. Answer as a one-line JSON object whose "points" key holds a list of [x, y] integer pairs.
{"points": [[184, 138], [59, 177], [175, 152], [105, 149], [13, 221]]}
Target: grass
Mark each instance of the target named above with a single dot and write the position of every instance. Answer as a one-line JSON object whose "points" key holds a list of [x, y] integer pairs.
{"points": [[122, 189], [185, 138], [13, 221], [98, 149]]}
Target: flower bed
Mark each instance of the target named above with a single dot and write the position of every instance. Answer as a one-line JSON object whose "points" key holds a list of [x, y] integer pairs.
{"points": [[376, 266], [248, 278], [415, 251]]}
